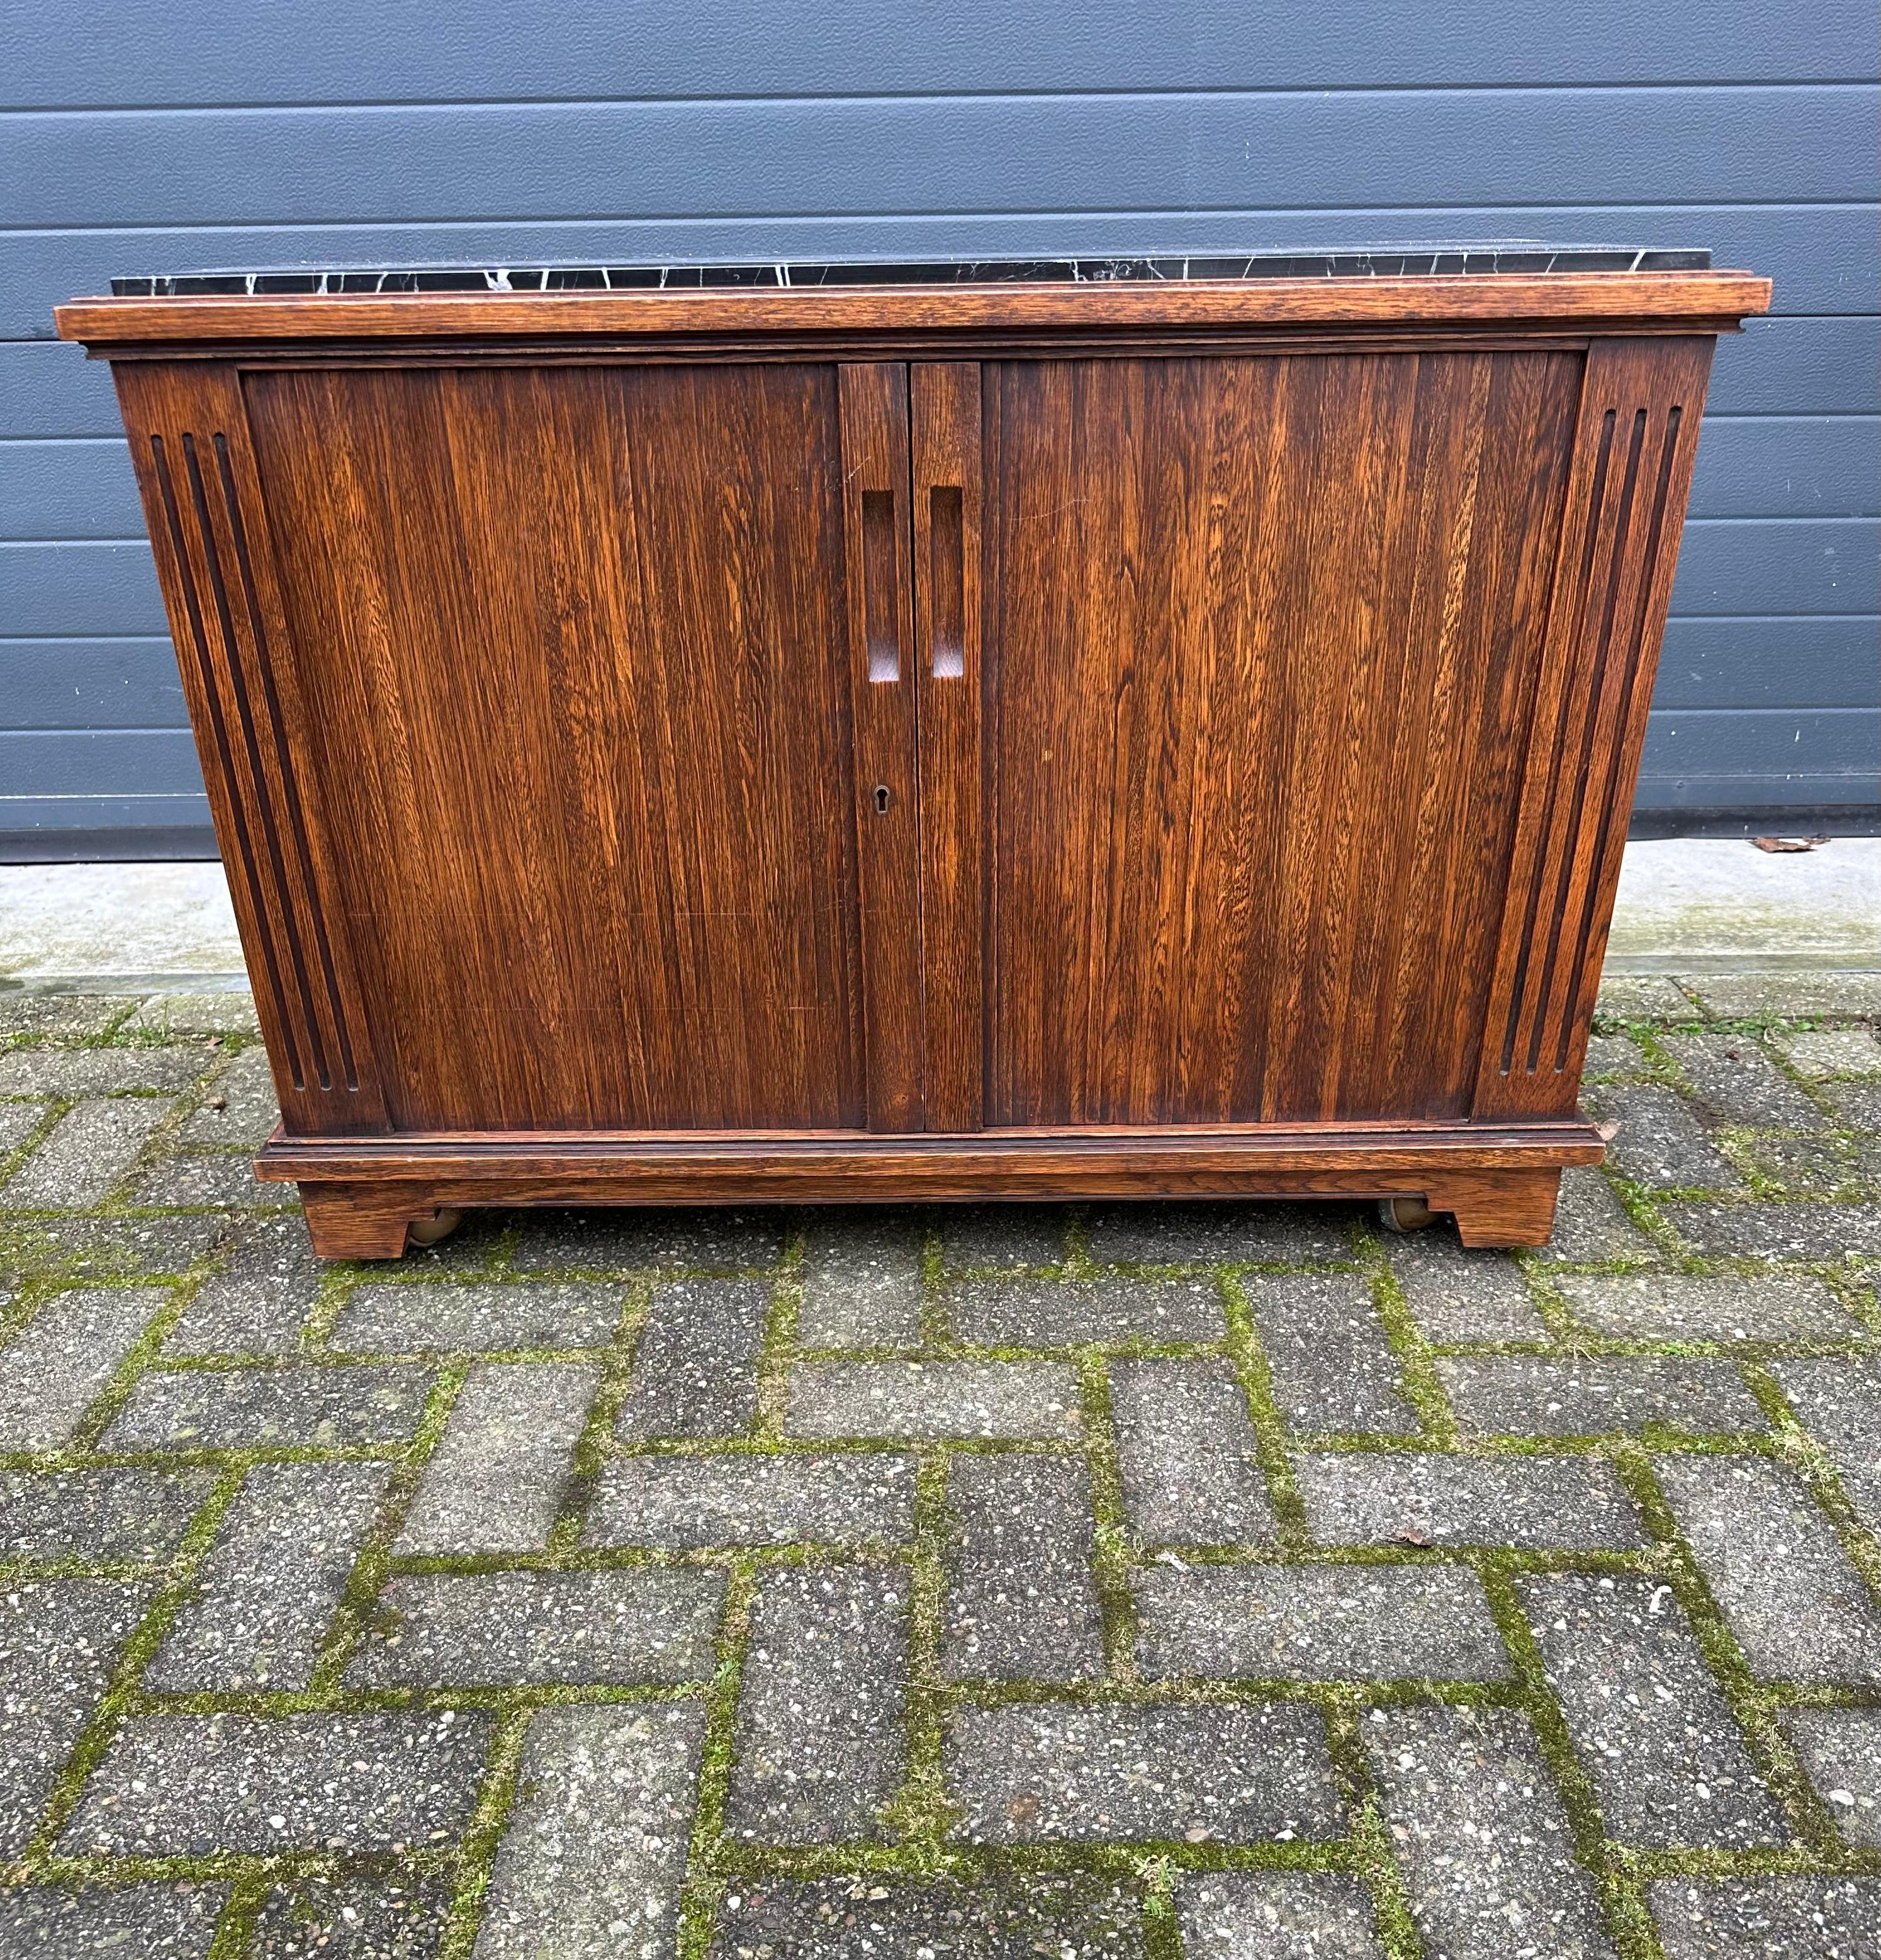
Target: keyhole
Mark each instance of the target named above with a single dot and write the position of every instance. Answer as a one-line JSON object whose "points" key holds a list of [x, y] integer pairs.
{"points": [[882, 799]]}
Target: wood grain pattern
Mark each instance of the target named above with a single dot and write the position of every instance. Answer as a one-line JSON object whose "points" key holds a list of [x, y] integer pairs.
{"points": [[196, 473], [880, 591], [1498, 1207], [1264, 633], [1356, 1146], [1159, 759], [949, 603], [363, 1221], [575, 650], [1500, 1184], [1635, 442], [746, 348], [1712, 296]]}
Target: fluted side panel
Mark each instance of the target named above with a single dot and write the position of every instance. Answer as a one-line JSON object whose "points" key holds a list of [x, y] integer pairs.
{"points": [[1640, 404], [232, 650]]}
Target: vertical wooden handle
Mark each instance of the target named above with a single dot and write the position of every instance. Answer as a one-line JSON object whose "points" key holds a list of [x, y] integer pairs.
{"points": [[945, 429], [877, 547]]}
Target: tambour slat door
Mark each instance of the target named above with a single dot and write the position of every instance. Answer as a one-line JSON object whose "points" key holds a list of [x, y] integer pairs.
{"points": [[608, 679], [1258, 641]]}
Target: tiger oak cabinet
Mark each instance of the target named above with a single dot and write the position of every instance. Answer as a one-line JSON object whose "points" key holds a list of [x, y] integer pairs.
{"points": [[813, 733]]}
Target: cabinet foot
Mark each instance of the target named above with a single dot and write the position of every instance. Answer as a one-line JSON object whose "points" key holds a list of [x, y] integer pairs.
{"points": [[371, 1221], [1500, 1208]]}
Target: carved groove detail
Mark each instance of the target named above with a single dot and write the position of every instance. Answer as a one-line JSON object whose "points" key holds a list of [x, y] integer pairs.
{"points": [[1606, 796], [291, 794], [1608, 611], [274, 858]]}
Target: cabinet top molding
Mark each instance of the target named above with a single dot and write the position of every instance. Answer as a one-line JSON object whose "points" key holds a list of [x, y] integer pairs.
{"points": [[1004, 296]]}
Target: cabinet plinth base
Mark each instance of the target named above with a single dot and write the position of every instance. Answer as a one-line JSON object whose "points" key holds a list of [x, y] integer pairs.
{"points": [[363, 1195]]}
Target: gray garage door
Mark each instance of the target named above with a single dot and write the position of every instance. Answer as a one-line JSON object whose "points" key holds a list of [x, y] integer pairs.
{"points": [[152, 135]]}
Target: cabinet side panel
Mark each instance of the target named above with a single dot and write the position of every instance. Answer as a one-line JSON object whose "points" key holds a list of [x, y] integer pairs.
{"points": [[574, 638], [1634, 444], [195, 470], [1262, 633]]}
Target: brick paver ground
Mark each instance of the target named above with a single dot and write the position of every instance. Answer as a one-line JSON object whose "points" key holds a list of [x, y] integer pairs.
{"points": [[1228, 1581]]}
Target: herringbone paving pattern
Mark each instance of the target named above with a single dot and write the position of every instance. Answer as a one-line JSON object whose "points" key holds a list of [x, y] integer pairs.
{"points": [[1225, 1581]]}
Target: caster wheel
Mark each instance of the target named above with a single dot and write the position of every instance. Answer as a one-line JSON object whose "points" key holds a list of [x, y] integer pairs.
{"points": [[1405, 1214], [435, 1230]]}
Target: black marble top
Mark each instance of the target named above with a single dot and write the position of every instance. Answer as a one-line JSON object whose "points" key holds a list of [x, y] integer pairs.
{"points": [[1385, 262]]}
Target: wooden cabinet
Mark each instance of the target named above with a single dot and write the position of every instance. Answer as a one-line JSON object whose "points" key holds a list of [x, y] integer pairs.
{"points": [[1003, 737]]}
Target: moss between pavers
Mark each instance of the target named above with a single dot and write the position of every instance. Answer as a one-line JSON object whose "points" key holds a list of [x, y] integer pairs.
{"points": [[1750, 1702], [777, 1347], [1371, 1855], [112, 1019], [594, 1445], [368, 1572], [1421, 1384], [484, 1834], [1272, 1440], [10, 1159], [122, 1694], [1792, 1444], [920, 1816], [704, 1882], [1110, 1559]]}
